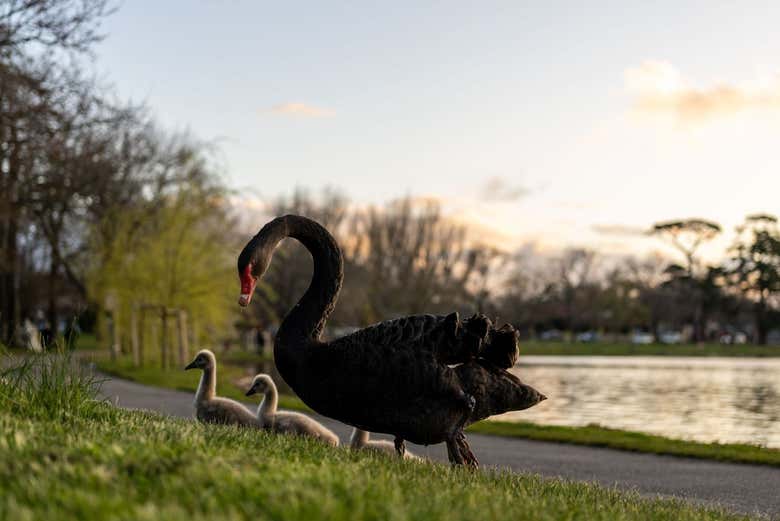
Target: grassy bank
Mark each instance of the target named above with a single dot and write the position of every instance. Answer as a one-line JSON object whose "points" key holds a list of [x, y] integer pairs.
{"points": [[632, 441], [591, 435], [536, 347], [64, 455]]}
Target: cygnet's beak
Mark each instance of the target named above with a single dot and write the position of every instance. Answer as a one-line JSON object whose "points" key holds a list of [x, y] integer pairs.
{"points": [[191, 365], [251, 391]]}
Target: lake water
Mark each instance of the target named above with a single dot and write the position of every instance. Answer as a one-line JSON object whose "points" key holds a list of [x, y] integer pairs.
{"points": [[705, 399]]}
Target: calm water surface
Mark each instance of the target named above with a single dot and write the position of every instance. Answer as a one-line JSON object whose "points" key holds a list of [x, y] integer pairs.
{"points": [[705, 399]]}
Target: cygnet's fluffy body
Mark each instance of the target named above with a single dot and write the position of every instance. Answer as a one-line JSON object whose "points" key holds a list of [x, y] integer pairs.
{"points": [[286, 422], [210, 408]]}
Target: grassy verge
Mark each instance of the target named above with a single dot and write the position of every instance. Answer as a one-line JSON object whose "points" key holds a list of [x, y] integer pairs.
{"points": [[590, 435], [64, 455], [598, 436], [536, 347]]}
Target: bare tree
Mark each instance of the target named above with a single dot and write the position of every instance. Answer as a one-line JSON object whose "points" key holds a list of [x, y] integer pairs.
{"points": [[70, 25], [34, 35], [576, 271]]}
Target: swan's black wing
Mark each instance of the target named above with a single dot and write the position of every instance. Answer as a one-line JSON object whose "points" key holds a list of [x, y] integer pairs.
{"points": [[449, 339]]}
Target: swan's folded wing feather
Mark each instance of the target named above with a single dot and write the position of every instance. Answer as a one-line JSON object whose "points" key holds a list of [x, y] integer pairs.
{"points": [[449, 339], [408, 332]]}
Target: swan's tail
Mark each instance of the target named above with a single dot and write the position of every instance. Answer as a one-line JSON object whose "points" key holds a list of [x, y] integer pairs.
{"points": [[501, 348], [495, 390], [475, 337]]}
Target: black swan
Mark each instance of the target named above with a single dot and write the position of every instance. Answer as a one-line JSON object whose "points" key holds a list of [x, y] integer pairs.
{"points": [[420, 378], [285, 422], [210, 408]]}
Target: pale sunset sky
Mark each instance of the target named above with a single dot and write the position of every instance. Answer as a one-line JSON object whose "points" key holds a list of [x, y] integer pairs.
{"points": [[551, 122]]}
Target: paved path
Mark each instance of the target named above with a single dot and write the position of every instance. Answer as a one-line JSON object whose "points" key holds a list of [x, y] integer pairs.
{"points": [[751, 489]]}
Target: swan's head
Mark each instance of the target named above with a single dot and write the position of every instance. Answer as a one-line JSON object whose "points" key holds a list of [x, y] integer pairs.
{"points": [[248, 282], [256, 255], [203, 360], [251, 267], [260, 384]]}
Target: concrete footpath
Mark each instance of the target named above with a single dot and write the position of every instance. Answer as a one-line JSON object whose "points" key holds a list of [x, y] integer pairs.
{"points": [[750, 489]]}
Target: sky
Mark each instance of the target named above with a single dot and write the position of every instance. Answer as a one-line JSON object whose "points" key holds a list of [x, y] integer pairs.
{"points": [[545, 122]]}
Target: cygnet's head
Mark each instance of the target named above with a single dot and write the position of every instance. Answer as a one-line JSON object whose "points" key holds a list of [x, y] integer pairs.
{"points": [[260, 384], [203, 360]]}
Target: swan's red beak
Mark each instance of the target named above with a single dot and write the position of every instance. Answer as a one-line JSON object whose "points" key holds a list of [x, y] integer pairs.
{"points": [[248, 282]]}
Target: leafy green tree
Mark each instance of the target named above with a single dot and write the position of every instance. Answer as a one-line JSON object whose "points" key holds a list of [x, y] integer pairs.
{"points": [[755, 266], [174, 253]]}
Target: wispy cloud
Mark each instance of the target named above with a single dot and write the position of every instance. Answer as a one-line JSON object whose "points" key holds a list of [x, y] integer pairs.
{"points": [[502, 190], [619, 230], [659, 87], [302, 110]]}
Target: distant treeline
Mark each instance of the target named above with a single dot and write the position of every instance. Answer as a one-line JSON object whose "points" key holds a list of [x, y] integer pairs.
{"points": [[405, 258]]}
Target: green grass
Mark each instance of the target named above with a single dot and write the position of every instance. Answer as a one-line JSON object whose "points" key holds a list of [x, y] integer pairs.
{"points": [[536, 347], [77, 458], [590, 435], [598, 436]]}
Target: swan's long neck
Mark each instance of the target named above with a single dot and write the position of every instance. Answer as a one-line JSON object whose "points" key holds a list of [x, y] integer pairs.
{"points": [[303, 325], [207, 388], [358, 439], [267, 408]]}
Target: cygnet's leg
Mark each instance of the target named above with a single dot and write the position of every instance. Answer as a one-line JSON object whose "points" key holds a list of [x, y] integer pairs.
{"points": [[400, 446]]}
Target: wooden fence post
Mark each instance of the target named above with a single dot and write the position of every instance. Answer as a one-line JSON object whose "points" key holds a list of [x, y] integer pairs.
{"points": [[134, 341], [164, 337], [184, 348], [141, 335]]}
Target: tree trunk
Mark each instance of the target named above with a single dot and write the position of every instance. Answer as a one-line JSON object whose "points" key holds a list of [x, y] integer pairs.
{"points": [[184, 348], [135, 341], [762, 324], [8, 286], [164, 337], [52, 298]]}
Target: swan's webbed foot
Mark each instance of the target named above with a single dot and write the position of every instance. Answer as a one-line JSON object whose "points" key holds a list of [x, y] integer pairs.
{"points": [[459, 452], [400, 446]]}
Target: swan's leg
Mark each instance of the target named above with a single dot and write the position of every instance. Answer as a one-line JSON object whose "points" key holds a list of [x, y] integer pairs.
{"points": [[465, 451], [453, 452], [400, 446], [458, 448]]}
